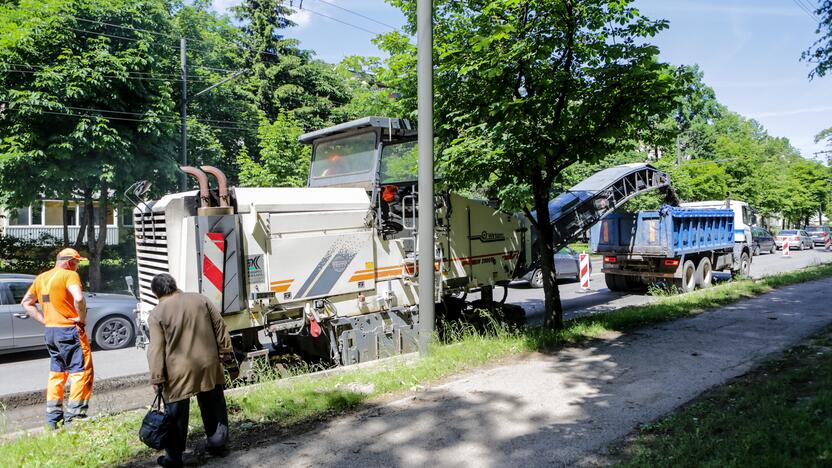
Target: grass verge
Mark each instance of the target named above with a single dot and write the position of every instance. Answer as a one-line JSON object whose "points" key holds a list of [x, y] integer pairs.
{"points": [[780, 414], [272, 406]]}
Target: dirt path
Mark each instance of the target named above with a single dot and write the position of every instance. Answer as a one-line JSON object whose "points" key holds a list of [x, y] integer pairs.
{"points": [[564, 408]]}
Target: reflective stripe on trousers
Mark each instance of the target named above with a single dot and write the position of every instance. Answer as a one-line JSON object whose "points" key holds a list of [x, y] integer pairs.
{"points": [[70, 358]]}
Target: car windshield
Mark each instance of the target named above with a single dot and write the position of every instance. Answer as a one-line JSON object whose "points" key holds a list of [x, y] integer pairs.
{"points": [[788, 233], [814, 229]]}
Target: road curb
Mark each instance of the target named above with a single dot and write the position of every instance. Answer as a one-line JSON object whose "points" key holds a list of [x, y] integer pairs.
{"points": [[35, 397]]}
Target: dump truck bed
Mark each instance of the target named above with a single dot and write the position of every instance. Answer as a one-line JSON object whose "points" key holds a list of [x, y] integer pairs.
{"points": [[669, 232]]}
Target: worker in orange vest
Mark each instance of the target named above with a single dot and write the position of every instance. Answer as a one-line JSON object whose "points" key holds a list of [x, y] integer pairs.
{"points": [[64, 313]]}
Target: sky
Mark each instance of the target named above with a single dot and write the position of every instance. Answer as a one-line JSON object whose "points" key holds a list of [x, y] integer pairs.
{"points": [[749, 51]]}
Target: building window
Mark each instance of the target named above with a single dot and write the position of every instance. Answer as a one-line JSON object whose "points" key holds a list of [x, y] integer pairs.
{"points": [[37, 213], [126, 216], [19, 217]]}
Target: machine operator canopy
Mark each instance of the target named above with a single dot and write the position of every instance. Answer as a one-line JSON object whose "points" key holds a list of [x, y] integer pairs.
{"points": [[356, 153]]}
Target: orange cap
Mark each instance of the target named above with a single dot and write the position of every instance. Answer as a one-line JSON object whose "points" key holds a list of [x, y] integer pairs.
{"points": [[72, 254]]}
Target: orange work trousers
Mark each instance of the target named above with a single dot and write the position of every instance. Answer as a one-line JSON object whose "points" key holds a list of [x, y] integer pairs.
{"points": [[70, 358]]}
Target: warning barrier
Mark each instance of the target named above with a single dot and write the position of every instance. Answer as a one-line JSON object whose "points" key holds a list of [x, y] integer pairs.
{"points": [[583, 264], [786, 248]]}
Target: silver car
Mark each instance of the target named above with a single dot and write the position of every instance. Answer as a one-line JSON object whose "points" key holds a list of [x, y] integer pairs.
{"points": [[567, 265], [109, 318]]}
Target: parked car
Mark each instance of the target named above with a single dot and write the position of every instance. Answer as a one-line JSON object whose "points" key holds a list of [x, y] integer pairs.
{"points": [[819, 234], [762, 241], [798, 239], [567, 266], [109, 318]]}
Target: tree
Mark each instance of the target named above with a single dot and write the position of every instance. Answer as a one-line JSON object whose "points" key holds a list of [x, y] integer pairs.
{"points": [[820, 53], [530, 87], [285, 78], [82, 117], [283, 160]]}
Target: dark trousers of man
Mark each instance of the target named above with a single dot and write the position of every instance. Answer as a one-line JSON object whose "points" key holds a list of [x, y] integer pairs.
{"points": [[214, 419]]}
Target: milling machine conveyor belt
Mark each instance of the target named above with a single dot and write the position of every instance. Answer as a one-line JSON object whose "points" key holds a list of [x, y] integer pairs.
{"points": [[576, 210]]}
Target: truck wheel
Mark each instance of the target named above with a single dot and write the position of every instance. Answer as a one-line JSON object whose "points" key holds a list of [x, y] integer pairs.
{"points": [[689, 277], [704, 273], [745, 266], [614, 282]]}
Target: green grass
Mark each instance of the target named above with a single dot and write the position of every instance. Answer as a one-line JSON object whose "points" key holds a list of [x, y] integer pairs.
{"points": [[271, 406], [780, 414]]}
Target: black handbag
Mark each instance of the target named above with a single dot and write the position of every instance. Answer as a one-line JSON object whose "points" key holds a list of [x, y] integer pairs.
{"points": [[156, 425]]}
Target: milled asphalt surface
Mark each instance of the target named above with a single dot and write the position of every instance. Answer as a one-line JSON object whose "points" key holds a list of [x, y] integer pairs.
{"points": [[561, 409]]}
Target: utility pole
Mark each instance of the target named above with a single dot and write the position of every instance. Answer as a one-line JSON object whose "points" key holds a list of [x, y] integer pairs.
{"points": [[678, 151], [424, 69], [183, 111]]}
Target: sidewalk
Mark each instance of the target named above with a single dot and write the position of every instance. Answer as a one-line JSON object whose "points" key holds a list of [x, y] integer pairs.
{"points": [[564, 408]]}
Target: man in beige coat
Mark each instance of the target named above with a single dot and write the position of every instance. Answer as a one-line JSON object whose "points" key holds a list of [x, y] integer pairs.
{"points": [[188, 340]]}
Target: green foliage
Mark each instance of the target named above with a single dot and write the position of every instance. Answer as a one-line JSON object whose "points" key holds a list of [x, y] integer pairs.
{"points": [[520, 104], [820, 54], [283, 161]]}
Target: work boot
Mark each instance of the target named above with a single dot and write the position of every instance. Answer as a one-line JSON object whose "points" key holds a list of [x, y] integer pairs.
{"points": [[168, 462]]}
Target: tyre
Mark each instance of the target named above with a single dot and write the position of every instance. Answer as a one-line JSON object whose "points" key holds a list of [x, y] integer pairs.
{"points": [[773, 249], [537, 279], [745, 266], [114, 332], [756, 250], [689, 278], [615, 282], [704, 277]]}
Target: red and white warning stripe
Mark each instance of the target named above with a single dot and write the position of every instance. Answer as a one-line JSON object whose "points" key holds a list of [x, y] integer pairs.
{"points": [[213, 265], [583, 264], [785, 246], [827, 244]]}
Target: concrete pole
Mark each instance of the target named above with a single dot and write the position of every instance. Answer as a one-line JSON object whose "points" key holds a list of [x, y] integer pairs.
{"points": [[183, 132], [424, 68]]}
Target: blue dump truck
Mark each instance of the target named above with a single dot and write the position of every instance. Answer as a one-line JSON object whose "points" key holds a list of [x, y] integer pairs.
{"points": [[675, 246]]}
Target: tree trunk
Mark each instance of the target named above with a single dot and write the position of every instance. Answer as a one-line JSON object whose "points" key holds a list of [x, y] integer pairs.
{"points": [[64, 212], [553, 314], [82, 225], [95, 244], [820, 217]]}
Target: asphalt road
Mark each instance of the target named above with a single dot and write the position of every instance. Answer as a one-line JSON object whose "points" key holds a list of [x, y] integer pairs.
{"points": [[26, 372]]}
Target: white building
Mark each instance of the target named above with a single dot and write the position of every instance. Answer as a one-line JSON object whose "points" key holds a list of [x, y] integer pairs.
{"points": [[44, 217]]}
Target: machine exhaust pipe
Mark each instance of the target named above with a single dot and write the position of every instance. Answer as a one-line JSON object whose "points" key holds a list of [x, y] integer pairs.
{"points": [[222, 184], [202, 180]]}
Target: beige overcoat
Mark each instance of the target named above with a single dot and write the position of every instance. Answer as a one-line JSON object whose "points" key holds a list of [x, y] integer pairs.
{"points": [[187, 335]]}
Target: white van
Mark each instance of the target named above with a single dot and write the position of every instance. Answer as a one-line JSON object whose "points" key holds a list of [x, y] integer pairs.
{"points": [[742, 217]]}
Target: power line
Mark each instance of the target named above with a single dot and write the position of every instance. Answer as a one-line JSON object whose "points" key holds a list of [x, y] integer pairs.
{"points": [[161, 119], [806, 10], [141, 78], [314, 12], [357, 14]]}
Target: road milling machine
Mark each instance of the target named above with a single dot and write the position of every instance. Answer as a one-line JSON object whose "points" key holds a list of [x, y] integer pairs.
{"points": [[328, 270]]}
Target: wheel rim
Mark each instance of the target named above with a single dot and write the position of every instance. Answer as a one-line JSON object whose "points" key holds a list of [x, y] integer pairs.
{"points": [[706, 274], [538, 277], [113, 333], [690, 278]]}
